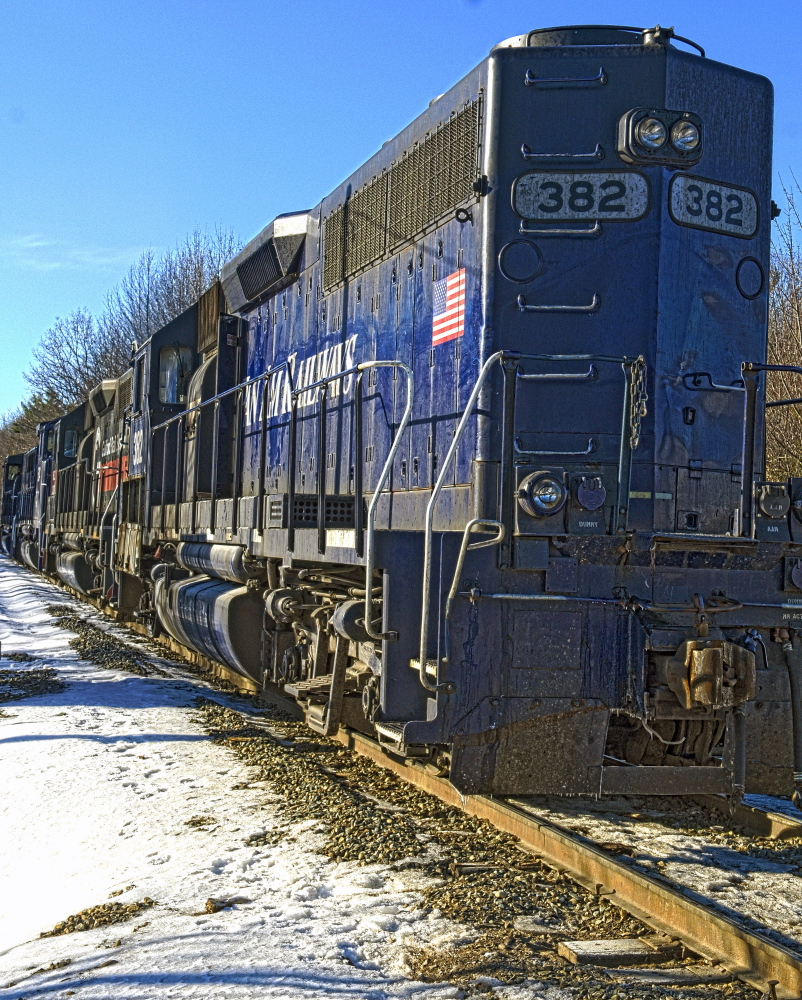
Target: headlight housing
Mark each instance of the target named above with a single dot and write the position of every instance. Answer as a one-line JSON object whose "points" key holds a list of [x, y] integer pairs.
{"points": [[660, 137], [542, 494]]}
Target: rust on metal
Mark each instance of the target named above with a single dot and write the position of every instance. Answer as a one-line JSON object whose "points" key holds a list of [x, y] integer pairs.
{"points": [[763, 822], [749, 955]]}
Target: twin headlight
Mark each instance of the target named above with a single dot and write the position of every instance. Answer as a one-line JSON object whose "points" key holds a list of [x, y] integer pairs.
{"points": [[648, 135], [652, 134]]}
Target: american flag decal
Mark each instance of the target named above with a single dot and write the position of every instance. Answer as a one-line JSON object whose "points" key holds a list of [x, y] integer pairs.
{"points": [[448, 310]]}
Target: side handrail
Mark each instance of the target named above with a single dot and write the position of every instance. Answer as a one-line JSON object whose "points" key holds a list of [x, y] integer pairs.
{"points": [[750, 370], [295, 392], [322, 386], [633, 410], [499, 533], [468, 546], [226, 392], [214, 401], [374, 500], [429, 519]]}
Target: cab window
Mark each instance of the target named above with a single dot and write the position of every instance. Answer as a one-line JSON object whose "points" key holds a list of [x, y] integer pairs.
{"points": [[175, 370], [71, 443], [139, 385]]}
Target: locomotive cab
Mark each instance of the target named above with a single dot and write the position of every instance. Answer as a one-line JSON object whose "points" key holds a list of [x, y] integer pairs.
{"points": [[12, 473]]}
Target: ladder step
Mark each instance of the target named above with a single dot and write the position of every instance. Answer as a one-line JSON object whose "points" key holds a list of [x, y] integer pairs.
{"points": [[431, 667], [392, 731]]}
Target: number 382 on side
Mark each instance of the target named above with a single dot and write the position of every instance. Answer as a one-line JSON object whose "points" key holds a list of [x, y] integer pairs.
{"points": [[624, 195], [613, 194]]}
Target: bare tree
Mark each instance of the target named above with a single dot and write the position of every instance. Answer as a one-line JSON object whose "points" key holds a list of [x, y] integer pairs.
{"points": [[155, 291], [79, 351], [784, 423], [70, 359]]}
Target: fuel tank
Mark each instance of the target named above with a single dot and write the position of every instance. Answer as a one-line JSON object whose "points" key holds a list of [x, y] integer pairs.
{"points": [[225, 561], [72, 540], [216, 619], [74, 570], [29, 551]]}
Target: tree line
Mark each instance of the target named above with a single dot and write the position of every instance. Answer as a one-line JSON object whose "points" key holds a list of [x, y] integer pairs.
{"points": [[784, 423], [80, 350]]}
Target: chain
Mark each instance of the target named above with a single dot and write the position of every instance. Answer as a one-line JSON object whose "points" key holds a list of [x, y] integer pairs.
{"points": [[637, 400]]}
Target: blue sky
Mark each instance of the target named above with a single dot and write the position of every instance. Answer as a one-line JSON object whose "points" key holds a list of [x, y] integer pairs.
{"points": [[125, 125]]}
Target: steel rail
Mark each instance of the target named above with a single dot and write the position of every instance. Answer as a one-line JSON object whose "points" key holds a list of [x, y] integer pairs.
{"points": [[678, 912]]}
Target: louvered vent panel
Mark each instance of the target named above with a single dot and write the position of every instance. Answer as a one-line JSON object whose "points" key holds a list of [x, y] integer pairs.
{"points": [[366, 215], [209, 317], [124, 394], [259, 271], [334, 248], [429, 181], [435, 176]]}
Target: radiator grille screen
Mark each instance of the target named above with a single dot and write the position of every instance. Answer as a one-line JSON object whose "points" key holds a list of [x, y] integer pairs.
{"points": [[366, 223], [124, 394], [435, 176], [430, 180], [259, 271], [334, 252]]}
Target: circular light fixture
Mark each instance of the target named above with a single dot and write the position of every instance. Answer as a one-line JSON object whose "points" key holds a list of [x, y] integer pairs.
{"points": [[685, 136], [651, 133], [542, 494]]}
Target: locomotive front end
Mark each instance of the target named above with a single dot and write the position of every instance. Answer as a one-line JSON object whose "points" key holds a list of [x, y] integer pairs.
{"points": [[622, 641]]}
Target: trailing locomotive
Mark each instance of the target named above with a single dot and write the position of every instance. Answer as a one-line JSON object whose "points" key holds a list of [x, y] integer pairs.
{"points": [[469, 456]]}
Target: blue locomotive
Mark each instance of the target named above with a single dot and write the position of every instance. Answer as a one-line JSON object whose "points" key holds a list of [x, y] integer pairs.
{"points": [[468, 457]]}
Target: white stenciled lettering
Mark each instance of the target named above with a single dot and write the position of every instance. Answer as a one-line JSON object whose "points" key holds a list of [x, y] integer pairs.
{"points": [[324, 364]]}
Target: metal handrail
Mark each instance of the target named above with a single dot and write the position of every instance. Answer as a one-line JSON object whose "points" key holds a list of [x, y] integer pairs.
{"points": [[624, 466], [180, 420], [750, 370], [374, 500], [429, 520], [295, 393], [321, 385], [226, 392]]}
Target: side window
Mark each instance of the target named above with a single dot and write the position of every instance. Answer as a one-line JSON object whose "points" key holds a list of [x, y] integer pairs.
{"points": [[12, 471], [139, 385], [71, 443], [175, 371], [51, 437]]}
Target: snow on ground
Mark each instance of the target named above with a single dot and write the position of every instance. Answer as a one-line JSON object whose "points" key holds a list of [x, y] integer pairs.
{"points": [[724, 877], [99, 782]]}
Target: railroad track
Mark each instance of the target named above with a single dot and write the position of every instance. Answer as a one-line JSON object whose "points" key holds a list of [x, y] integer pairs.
{"points": [[669, 909], [749, 955]]}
